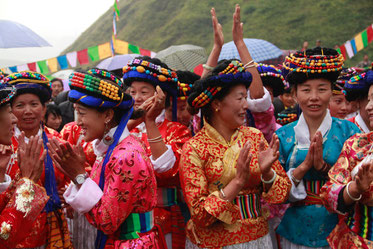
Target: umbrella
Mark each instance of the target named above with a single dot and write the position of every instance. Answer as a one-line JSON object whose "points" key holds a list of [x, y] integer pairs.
{"points": [[15, 35], [260, 50], [183, 57], [64, 76], [116, 62]]}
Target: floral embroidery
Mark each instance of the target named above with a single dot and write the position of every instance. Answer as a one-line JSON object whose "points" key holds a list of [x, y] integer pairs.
{"points": [[5, 230], [24, 197]]}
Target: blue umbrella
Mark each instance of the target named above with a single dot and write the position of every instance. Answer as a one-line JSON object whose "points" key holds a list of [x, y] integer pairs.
{"points": [[15, 35], [260, 50]]}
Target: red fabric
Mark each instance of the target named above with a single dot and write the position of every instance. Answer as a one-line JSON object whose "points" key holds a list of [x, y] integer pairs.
{"points": [[32, 66], [145, 52], [83, 56], [370, 33], [343, 51]]}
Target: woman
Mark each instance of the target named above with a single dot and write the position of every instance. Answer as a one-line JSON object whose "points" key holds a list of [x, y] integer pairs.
{"points": [[339, 107], [225, 165], [151, 81], [29, 106], [119, 195], [349, 190], [356, 90], [310, 146], [53, 117], [22, 201]]}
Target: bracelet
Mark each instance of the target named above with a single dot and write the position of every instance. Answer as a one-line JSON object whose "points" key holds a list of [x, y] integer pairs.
{"points": [[349, 195], [253, 65], [247, 64], [154, 139], [205, 66], [270, 181], [223, 194], [293, 178]]}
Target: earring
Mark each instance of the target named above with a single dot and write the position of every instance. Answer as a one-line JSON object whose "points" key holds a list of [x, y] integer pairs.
{"points": [[216, 109], [108, 139]]}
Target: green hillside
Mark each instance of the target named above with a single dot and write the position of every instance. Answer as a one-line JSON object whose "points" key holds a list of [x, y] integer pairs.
{"points": [[157, 24]]}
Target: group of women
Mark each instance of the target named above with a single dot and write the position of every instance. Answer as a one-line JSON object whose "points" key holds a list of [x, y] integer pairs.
{"points": [[165, 159]]}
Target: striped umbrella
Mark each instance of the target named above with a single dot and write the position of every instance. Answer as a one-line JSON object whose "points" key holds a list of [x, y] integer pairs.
{"points": [[183, 57], [260, 50]]}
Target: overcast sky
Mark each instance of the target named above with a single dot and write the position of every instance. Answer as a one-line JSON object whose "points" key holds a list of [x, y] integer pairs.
{"points": [[59, 22]]}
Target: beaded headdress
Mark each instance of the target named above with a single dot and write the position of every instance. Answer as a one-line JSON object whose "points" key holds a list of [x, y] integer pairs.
{"points": [[360, 82], [207, 88], [345, 75], [272, 77], [185, 83], [287, 116], [30, 82], [142, 70], [98, 88], [7, 92]]}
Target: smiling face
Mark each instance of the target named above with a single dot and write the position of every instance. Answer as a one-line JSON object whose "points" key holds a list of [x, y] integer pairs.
{"points": [[7, 123], [53, 121], [141, 91], [313, 97], [29, 111], [231, 110], [369, 107], [339, 107]]}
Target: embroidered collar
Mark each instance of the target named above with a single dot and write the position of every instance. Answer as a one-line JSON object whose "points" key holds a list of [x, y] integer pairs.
{"points": [[17, 133], [100, 148], [302, 133], [362, 125], [216, 136]]}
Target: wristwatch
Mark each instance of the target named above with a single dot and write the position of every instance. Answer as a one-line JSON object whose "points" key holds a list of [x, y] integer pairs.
{"points": [[80, 179]]}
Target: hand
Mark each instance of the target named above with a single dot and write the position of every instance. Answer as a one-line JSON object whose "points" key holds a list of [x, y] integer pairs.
{"points": [[364, 177], [243, 164], [5, 155], [267, 157], [157, 106], [70, 160], [30, 161], [237, 28], [218, 30], [318, 161]]}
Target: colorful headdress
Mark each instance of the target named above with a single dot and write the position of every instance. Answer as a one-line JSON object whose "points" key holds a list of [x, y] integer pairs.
{"points": [[343, 78], [30, 82], [185, 83], [313, 64], [358, 86], [205, 90], [99, 88], [272, 77], [142, 70], [7, 92]]}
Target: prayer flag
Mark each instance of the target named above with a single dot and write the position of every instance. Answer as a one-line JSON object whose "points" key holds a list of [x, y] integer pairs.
{"points": [[23, 67], [13, 69], [43, 66], [145, 52], [53, 64], [134, 49], [358, 42], [120, 47], [83, 56], [349, 50], [104, 50], [62, 60], [370, 33], [71, 58], [353, 45], [152, 54], [32, 66], [364, 37], [116, 8], [93, 53], [343, 51]]}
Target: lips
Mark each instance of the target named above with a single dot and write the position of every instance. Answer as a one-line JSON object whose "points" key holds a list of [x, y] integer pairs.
{"points": [[29, 120], [314, 107]]}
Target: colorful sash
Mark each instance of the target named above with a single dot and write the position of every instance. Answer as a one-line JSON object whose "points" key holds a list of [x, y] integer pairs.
{"points": [[314, 186], [167, 197], [136, 223], [250, 207], [313, 193], [361, 222]]}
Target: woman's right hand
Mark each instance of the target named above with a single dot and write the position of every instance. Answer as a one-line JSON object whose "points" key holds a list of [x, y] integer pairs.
{"points": [[218, 30], [237, 28], [157, 105], [243, 165], [364, 177], [30, 161]]}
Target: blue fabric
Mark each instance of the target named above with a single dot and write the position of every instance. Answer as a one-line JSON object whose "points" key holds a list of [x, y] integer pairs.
{"points": [[62, 60], [101, 237], [310, 225], [50, 183]]}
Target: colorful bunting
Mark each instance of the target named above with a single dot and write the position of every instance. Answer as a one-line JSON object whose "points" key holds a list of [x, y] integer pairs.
{"points": [[114, 25], [104, 50], [358, 43], [145, 52], [13, 69], [121, 47], [53, 64], [43, 67], [353, 45], [364, 37], [370, 33], [32, 66], [343, 51], [116, 10], [134, 49], [349, 50], [93, 53], [83, 56], [23, 67], [71, 57], [62, 60]]}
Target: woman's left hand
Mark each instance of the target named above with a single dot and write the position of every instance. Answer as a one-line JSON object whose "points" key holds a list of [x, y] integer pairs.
{"points": [[237, 28], [318, 161], [70, 160], [267, 157], [157, 106]]}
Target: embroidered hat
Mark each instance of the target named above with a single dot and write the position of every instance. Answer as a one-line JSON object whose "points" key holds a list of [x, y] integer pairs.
{"points": [[7, 92], [98, 88], [358, 86], [185, 83], [288, 115], [30, 82], [343, 78], [227, 74], [272, 77], [313, 63]]}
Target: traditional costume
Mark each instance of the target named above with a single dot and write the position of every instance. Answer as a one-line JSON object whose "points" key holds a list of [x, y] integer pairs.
{"points": [[168, 213], [354, 227], [50, 228], [208, 164], [119, 196]]}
